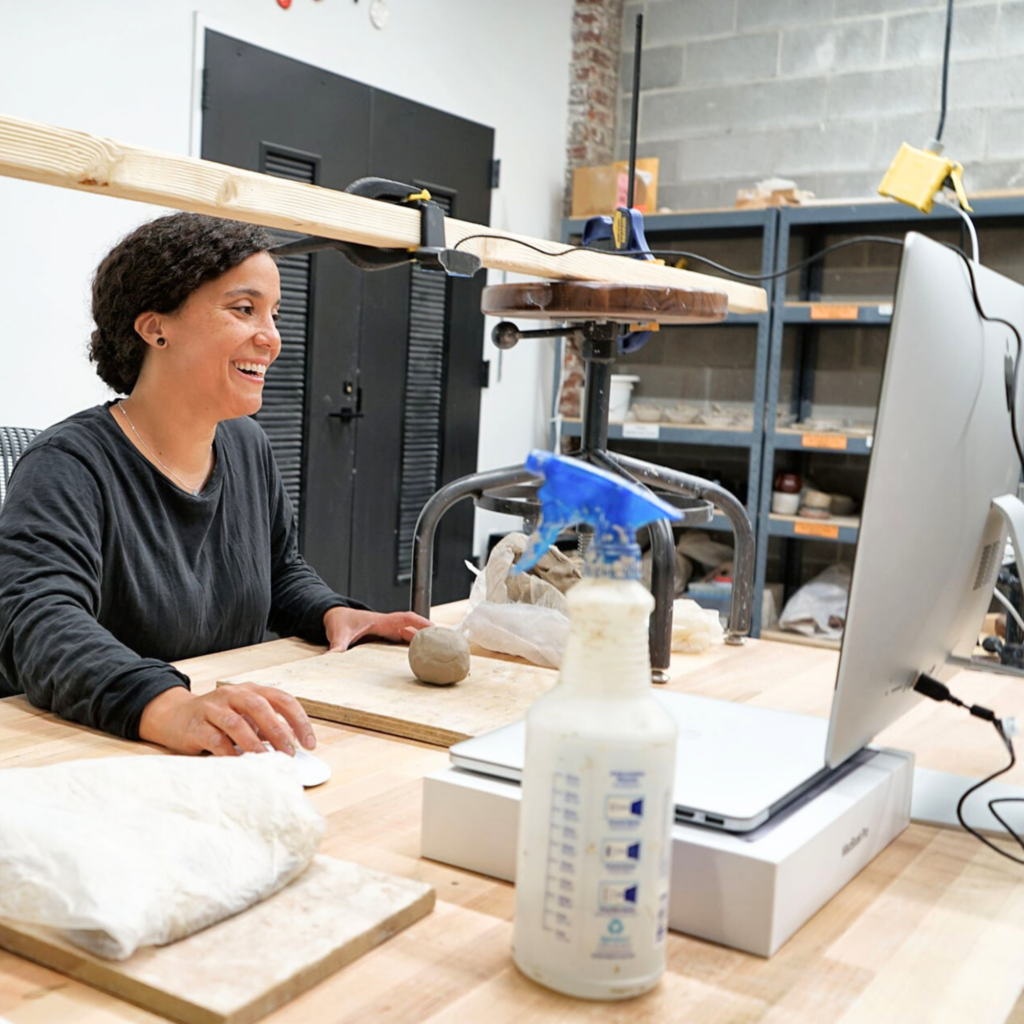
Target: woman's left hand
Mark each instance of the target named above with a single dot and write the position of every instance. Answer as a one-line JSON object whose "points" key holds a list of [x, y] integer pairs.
{"points": [[347, 625]]}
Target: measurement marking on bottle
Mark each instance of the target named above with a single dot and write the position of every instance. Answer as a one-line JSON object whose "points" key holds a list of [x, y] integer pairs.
{"points": [[563, 852]]}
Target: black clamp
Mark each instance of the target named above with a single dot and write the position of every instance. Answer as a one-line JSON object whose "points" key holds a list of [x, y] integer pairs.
{"points": [[432, 253]]}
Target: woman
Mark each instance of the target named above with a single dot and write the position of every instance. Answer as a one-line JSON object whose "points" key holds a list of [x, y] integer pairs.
{"points": [[156, 527]]}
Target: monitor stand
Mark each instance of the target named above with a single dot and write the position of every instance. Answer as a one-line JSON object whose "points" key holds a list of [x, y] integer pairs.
{"points": [[1011, 509]]}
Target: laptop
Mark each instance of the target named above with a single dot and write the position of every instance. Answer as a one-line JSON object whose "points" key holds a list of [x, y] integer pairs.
{"points": [[924, 568]]}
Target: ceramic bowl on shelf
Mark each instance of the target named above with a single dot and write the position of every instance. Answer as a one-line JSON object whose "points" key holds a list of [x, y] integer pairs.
{"points": [[682, 414], [645, 412], [785, 503], [841, 505], [817, 500]]}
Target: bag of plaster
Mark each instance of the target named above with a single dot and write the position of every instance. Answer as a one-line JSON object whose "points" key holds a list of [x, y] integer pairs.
{"points": [[526, 616], [818, 608], [122, 852]]}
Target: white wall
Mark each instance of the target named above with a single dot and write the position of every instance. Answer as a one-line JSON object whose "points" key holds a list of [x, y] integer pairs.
{"points": [[124, 69]]}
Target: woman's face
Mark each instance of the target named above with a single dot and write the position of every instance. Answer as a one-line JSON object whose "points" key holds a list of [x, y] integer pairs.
{"points": [[223, 339]]}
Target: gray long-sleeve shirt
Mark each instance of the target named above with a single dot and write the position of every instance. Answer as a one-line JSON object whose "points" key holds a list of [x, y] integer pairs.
{"points": [[108, 570]]}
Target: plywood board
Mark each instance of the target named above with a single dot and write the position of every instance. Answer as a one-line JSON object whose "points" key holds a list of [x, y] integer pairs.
{"points": [[91, 163], [371, 686], [241, 969]]}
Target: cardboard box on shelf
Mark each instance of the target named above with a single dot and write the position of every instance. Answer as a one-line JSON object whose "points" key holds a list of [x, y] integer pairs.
{"points": [[772, 192], [599, 190]]}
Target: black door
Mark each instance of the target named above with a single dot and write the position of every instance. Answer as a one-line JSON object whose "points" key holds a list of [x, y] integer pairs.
{"points": [[403, 345]]}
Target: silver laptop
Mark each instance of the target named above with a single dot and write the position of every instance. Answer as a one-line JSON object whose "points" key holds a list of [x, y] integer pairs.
{"points": [[923, 574]]}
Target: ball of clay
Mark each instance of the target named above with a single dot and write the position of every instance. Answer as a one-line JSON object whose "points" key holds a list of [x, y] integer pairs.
{"points": [[439, 656]]}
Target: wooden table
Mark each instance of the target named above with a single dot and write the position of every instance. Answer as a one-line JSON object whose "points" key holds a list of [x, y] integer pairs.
{"points": [[931, 931]]}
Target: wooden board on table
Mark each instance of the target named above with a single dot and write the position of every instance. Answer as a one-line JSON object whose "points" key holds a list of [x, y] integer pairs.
{"points": [[240, 969], [372, 686]]}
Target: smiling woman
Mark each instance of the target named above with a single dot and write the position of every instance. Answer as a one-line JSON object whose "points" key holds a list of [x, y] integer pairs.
{"points": [[156, 527]]}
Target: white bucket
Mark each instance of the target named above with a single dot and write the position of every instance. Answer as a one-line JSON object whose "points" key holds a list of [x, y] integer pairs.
{"points": [[619, 395]]}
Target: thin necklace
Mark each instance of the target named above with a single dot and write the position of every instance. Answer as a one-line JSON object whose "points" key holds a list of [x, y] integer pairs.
{"points": [[192, 490]]}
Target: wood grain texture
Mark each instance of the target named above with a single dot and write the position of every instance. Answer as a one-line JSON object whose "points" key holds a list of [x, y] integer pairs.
{"points": [[932, 895], [90, 163], [372, 686], [598, 300], [237, 971]]}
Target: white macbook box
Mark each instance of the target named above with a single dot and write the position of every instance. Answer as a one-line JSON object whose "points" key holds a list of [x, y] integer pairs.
{"points": [[752, 890]]}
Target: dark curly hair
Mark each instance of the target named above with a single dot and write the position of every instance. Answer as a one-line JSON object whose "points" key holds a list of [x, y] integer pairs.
{"points": [[157, 267]]}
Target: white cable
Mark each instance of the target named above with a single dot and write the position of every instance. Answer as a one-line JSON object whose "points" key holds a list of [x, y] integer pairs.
{"points": [[951, 200], [1008, 605]]}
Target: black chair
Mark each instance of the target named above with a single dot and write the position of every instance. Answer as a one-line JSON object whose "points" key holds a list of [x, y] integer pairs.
{"points": [[13, 441]]}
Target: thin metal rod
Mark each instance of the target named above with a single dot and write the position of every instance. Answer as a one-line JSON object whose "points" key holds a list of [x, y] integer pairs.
{"points": [[471, 486], [663, 576], [635, 113], [596, 399]]}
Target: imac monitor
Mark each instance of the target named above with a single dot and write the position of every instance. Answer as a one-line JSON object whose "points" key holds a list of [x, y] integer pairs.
{"points": [[930, 545]]}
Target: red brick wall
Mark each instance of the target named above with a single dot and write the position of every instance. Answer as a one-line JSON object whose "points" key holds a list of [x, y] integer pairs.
{"points": [[593, 85]]}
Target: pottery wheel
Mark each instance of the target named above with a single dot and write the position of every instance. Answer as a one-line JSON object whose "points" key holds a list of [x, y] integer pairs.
{"points": [[596, 300]]}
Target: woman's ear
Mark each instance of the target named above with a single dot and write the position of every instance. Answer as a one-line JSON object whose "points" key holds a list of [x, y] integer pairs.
{"points": [[149, 327]]}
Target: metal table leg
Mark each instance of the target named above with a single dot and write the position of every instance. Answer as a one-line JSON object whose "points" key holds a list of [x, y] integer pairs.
{"points": [[741, 605], [471, 486]]}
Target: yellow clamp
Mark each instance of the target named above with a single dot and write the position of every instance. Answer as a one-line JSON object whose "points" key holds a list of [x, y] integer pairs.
{"points": [[424, 195], [916, 175], [652, 326]]}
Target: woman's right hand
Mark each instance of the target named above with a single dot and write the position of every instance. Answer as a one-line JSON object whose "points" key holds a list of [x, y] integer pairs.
{"points": [[241, 715]]}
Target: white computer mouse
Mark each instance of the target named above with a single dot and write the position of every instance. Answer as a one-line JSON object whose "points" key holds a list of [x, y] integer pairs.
{"points": [[312, 770]]}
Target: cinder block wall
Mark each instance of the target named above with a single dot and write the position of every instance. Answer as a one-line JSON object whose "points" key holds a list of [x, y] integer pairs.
{"points": [[820, 91]]}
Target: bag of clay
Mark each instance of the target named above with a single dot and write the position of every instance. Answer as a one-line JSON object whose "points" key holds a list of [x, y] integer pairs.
{"points": [[818, 608], [526, 616], [118, 853]]}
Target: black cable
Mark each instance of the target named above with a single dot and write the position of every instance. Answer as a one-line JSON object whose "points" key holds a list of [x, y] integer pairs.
{"points": [[940, 692], [694, 256], [945, 69], [999, 800], [1013, 375]]}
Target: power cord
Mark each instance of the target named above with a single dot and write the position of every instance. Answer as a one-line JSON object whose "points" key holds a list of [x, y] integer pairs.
{"points": [[945, 69], [1011, 366], [1007, 730], [682, 254]]}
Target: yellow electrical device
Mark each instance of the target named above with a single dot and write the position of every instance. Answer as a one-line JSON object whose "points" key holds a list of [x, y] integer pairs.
{"points": [[916, 175]]}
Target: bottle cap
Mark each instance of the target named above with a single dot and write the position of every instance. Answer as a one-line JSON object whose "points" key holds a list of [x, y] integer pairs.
{"points": [[576, 492]]}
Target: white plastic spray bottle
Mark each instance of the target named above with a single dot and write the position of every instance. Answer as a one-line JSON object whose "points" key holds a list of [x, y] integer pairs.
{"points": [[595, 823]]}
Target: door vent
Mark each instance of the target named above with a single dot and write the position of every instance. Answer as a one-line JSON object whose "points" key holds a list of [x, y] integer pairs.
{"points": [[988, 566], [423, 424], [284, 393]]}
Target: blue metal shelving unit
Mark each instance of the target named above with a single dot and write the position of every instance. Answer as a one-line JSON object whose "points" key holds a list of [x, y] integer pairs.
{"points": [[778, 228], [813, 311]]}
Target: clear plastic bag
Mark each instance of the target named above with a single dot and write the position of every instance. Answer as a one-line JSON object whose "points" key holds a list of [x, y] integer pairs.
{"points": [[694, 629], [525, 616], [818, 608]]}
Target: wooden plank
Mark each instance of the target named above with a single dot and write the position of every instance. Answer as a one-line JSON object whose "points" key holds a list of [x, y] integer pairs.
{"points": [[90, 163], [371, 686], [240, 969]]}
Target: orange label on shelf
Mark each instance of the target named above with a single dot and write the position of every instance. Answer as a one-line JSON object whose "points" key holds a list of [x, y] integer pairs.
{"points": [[835, 441], [830, 311], [812, 529]]}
